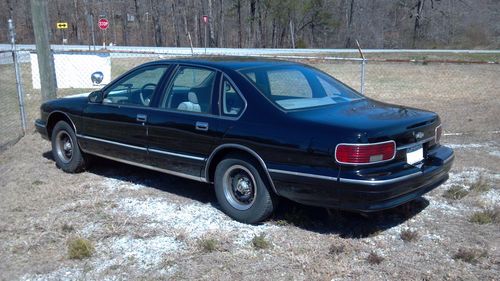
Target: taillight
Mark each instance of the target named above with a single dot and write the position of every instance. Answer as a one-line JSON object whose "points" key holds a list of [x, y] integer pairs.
{"points": [[352, 153], [437, 133]]}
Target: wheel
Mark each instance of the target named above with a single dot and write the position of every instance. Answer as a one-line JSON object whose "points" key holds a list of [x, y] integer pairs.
{"points": [[65, 149], [241, 191]]}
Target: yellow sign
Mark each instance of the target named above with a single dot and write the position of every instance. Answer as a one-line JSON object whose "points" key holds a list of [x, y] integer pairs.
{"points": [[62, 25]]}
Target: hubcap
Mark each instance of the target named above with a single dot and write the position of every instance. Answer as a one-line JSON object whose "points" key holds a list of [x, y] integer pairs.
{"points": [[239, 187], [64, 146]]}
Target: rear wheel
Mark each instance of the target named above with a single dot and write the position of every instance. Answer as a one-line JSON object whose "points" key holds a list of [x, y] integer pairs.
{"points": [[65, 149], [241, 191]]}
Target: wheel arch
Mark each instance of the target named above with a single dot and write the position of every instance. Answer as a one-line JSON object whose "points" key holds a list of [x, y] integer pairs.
{"points": [[56, 116], [223, 150]]}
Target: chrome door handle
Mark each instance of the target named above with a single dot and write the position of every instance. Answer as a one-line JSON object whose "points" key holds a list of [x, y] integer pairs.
{"points": [[202, 126], [141, 118]]}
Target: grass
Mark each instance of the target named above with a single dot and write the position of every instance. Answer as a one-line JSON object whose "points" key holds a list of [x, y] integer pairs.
{"points": [[80, 248], [470, 255], [208, 245], [480, 185], [374, 258], [336, 249], [486, 216], [37, 183], [456, 192], [260, 242], [409, 235], [67, 228]]}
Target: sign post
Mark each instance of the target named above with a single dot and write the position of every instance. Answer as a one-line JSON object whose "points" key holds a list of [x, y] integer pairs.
{"points": [[205, 21], [62, 26], [103, 24]]}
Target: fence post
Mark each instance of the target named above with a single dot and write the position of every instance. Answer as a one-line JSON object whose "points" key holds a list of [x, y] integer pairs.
{"points": [[20, 94], [363, 63]]}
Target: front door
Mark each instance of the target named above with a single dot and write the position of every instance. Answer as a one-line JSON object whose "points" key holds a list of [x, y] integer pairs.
{"points": [[183, 129], [117, 127]]}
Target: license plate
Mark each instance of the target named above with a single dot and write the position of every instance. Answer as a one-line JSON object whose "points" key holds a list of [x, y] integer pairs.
{"points": [[414, 154]]}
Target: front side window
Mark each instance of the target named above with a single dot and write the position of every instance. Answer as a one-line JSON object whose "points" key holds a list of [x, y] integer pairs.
{"points": [[232, 103], [136, 88], [191, 90], [299, 87]]}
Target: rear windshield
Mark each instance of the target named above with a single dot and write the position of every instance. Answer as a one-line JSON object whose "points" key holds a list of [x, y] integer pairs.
{"points": [[298, 87]]}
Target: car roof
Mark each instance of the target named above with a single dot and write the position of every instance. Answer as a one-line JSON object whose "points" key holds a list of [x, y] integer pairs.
{"points": [[228, 62]]}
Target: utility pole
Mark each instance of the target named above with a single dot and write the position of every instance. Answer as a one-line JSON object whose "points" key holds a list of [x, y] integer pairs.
{"points": [[46, 68]]}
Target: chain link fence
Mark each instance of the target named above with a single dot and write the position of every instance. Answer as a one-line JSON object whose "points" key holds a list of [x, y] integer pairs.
{"points": [[451, 89]]}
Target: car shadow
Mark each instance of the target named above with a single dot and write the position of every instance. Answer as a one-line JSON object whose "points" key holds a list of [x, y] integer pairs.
{"points": [[321, 220]]}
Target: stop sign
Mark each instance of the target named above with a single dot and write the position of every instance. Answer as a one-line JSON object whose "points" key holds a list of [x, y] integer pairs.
{"points": [[103, 24]]}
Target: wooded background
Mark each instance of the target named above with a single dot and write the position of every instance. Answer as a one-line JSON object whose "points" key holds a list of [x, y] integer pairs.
{"points": [[269, 23]]}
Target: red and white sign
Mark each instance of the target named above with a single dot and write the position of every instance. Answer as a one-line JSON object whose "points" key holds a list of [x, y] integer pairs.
{"points": [[103, 24], [205, 18]]}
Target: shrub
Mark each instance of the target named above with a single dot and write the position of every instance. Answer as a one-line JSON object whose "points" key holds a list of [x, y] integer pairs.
{"points": [[480, 185], [486, 216], [408, 235], [80, 248], [374, 258], [456, 192], [336, 249], [208, 245], [260, 242], [470, 255]]}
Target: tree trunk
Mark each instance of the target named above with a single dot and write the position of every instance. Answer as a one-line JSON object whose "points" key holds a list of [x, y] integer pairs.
{"points": [[46, 68], [212, 42], [238, 9], [349, 15], [221, 31], [418, 16]]}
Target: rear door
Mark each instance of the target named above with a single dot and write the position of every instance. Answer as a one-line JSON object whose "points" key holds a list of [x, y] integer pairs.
{"points": [[116, 128], [184, 128]]}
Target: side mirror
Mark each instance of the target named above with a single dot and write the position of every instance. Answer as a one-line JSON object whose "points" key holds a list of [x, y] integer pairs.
{"points": [[96, 97]]}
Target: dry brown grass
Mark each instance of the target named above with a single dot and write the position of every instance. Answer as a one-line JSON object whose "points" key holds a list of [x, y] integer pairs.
{"points": [[409, 235], [80, 248], [470, 255]]}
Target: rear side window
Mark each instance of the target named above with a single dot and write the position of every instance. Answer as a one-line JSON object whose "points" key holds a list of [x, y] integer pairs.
{"points": [[191, 90], [288, 82], [232, 103], [296, 86]]}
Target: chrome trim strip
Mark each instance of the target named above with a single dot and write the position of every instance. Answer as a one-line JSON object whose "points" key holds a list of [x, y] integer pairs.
{"points": [[176, 154], [302, 174], [246, 149], [365, 144], [201, 179], [40, 125], [112, 142], [415, 143], [380, 182], [345, 180]]}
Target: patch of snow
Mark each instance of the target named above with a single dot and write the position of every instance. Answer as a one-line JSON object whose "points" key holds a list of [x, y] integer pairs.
{"points": [[117, 184], [466, 146], [146, 253], [195, 219], [491, 198], [495, 153]]}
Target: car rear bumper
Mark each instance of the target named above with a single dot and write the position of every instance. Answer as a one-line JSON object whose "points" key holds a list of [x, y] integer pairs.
{"points": [[366, 193], [41, 128]]}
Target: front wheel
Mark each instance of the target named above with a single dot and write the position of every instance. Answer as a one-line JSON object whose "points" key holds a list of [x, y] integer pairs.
{"points": [[241, 191], [65, 149]]}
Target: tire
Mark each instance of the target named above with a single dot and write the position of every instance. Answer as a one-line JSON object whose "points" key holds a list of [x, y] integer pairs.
{"points": [[241, 190], [65, 149]]}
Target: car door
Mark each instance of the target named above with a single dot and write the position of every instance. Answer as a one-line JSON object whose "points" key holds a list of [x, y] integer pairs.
{"points": [[116, 127], [183, 130]]}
